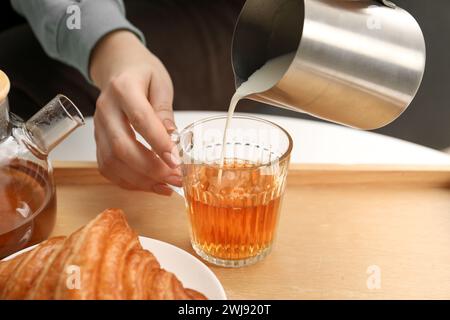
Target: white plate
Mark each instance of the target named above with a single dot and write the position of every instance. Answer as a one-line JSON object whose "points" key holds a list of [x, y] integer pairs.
{"points": [[193, 273]]}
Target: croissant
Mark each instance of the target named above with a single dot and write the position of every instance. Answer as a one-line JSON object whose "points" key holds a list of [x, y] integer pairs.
{"points": [[102, 260]]}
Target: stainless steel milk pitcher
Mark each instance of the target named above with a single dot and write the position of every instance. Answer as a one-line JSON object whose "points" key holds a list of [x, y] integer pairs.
{"points": [[357, 63]]}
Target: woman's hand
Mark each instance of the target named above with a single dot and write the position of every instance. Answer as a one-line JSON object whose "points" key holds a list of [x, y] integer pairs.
{"points": [[136, 92]]}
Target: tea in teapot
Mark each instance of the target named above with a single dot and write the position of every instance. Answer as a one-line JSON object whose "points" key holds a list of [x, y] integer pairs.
{"points": [[27, 205], [27, 192]]}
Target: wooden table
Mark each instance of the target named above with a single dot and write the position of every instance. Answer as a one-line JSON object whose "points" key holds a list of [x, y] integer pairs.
{"points": [[346, 232]]}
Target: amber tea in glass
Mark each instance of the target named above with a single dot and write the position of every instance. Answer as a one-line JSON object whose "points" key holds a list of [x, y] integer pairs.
{"points": [[234, 205]]}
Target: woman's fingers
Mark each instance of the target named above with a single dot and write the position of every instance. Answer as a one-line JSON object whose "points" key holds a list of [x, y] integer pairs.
{"points": [[121, 174], [123, 145], [134, 103], [132, 180], [161, 98], [125, 161], [165, 114]]}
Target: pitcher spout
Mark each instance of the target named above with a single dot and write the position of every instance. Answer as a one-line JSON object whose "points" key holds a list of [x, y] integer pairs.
{"points": [[53, 123]]}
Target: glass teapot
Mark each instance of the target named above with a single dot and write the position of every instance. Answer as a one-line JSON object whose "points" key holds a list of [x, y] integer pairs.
{"points": [[27, 191]]}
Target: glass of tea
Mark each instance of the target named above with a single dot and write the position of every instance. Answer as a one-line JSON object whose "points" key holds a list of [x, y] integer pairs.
{"points": [[234, 191]]}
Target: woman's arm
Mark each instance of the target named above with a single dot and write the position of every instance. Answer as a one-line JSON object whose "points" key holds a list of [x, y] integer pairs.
{"points": [[51, 21], [136, 89]]}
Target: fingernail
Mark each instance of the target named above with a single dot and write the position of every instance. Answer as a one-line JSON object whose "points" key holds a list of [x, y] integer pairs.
{"points": [[171, 159], [163, 189], [175, 180], [170, 126]]}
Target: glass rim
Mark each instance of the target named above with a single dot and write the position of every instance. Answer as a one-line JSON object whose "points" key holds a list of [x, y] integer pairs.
{"points": [[282, 158]]}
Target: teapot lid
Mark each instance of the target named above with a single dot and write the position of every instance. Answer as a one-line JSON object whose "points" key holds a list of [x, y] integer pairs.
{"points": [[4, 86]]}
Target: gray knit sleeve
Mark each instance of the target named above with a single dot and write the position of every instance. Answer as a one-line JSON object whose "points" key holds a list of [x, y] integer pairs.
{"points": [[69, 30]]}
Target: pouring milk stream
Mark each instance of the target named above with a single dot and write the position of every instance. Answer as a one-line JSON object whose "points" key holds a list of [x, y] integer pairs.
{"points": [[262, 79]]}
